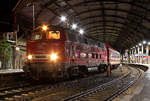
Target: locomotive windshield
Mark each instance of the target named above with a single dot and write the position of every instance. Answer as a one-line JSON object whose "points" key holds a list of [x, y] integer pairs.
{"points": [[36, 36], [53, 35], [46, 35]]}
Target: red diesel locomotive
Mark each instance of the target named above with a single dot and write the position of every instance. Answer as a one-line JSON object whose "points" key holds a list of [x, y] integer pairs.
{"points": [[56, 53]]}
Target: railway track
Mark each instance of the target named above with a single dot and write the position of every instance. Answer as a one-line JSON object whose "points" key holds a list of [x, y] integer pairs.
{"points": [[25, 88], [94, 94], [80, 89]]}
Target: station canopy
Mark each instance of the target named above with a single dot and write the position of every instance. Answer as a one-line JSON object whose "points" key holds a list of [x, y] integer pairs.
{"points": [[120, 23]]}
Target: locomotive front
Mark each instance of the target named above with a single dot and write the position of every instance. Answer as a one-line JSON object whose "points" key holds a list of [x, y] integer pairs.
{"points": [[45, 53]]}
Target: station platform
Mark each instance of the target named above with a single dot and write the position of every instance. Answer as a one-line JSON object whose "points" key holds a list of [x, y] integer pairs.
{"points": [[7, 71], [142, 90]]}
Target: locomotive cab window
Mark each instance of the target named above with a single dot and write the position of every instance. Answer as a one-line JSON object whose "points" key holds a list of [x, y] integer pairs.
{"points": [[53, 35], [36, 36]]}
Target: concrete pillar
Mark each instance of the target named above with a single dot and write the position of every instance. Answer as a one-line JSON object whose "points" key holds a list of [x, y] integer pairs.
{"points": [[142, 53], [134, 55], [108, 70], [14, 57], [138, 54], [128, 56], [147, 50]]}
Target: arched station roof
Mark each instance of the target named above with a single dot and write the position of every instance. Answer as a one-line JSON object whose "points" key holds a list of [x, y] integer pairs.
{"points": [[120, 23]]}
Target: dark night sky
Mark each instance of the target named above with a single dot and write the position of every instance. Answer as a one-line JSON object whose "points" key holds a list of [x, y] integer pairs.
{"points": [[6, 15]]}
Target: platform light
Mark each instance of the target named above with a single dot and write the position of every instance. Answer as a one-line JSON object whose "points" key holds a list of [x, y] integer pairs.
{"points": [[63, 18], [74, 26], [81, 31], [148, 43], [140, 44], [144, 42], [136, 45], [44, 27], [17, 48]]}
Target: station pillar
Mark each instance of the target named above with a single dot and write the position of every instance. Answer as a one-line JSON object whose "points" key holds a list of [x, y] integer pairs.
{"points": [[147, 53], [142, 54], [14, 57], [138, 54], [108, 70]]}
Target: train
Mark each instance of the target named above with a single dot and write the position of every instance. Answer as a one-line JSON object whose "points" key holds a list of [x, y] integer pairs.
{"points": [[60, 53]]}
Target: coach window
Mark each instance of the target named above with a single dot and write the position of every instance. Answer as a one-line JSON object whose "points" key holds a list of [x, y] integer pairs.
{"points": [[96, 56], [100, 56], [93, 55]]}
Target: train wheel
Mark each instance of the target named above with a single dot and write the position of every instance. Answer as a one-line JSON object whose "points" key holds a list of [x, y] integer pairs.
{"points": [[66, 75]]}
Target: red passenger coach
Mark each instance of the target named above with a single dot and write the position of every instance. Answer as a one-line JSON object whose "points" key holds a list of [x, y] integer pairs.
{"points": [[56, 53], [113, 56]]}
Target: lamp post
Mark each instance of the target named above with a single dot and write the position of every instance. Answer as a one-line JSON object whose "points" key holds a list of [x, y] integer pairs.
{"points": [[33, 12], [33, 17]]}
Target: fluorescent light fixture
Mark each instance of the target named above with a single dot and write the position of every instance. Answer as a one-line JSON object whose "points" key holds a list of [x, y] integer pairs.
{"points": [[140, 44], [74, 26], [148, 43], [81, 31], [144, 42], [63, 18]]}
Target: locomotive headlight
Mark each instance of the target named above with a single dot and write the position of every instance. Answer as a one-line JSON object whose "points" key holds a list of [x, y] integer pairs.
{"points": [[29, 57], [53, 56]]}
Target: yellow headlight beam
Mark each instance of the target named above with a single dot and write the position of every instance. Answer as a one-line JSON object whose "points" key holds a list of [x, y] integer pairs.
{"points": [[53, 56], [29, 57], [44, 27]]}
